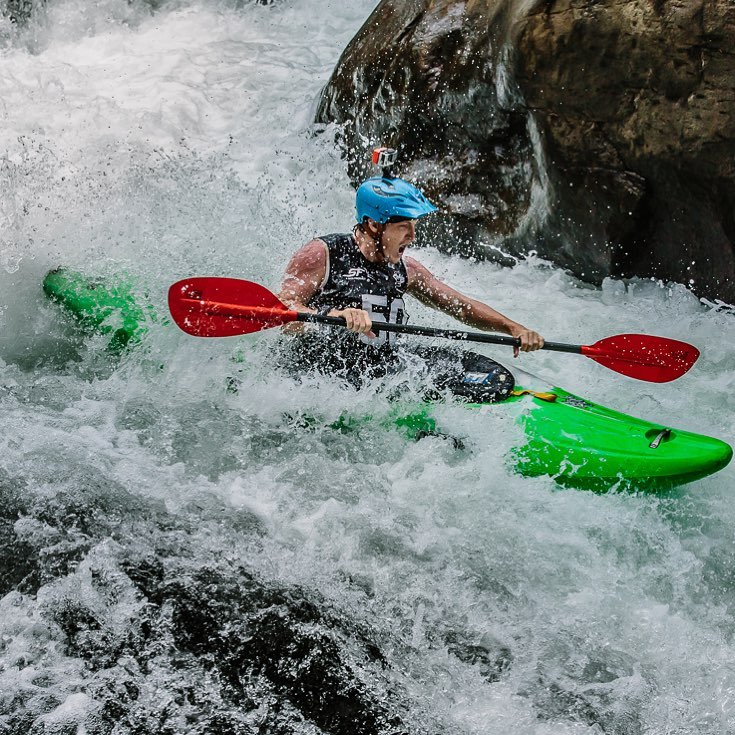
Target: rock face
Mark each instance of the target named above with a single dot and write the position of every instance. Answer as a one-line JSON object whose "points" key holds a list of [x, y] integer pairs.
{"points": [[600, 134]]}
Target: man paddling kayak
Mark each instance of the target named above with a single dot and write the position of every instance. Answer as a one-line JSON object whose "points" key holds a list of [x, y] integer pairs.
{"points": [[362, 276]]}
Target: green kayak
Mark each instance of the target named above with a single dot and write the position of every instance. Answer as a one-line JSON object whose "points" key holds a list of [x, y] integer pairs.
{"points": [[573, 440], [100, 307]]}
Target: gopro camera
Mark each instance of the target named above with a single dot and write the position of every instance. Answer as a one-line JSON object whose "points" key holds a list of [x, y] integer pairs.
{"points": [[385, 157]]}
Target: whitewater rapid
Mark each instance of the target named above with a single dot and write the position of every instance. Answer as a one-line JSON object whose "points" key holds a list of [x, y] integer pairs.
{"points": [[166, 140]]}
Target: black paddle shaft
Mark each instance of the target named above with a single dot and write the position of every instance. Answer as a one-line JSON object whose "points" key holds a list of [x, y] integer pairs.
{"points": [[456, 334]]}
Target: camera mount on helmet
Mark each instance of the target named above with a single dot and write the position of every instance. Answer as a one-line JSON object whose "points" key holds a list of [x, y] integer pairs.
{"points": [[385, 158], [389, 198]]}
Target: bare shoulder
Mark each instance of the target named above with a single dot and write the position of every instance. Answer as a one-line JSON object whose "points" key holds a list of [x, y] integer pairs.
{"points": [[309, 262], [419, 276], [415, 269], [305, 273], [309, 256]]}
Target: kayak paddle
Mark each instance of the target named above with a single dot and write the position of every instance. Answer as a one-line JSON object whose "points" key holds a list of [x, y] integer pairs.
{"points": [[226, 307]]}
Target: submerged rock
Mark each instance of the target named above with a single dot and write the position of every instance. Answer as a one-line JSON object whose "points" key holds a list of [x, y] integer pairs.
{"points": [[17, 11], [167, 638], [600, 134]]}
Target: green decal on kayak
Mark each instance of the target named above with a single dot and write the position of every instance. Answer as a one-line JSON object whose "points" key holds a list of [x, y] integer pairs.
{"points": [[575, 441]]}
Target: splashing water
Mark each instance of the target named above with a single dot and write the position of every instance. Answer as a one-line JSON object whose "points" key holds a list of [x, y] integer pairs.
{"points": [[178, 557]]}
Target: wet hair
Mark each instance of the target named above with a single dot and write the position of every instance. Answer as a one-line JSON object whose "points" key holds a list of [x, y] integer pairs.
{"points": [[390, 221], [381, 228]]}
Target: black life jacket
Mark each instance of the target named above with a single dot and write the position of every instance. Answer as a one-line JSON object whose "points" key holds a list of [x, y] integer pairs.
{"points": [[351, 280]]}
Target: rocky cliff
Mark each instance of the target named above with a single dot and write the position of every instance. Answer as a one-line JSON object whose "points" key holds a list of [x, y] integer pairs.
{"points": [[600, 133]]}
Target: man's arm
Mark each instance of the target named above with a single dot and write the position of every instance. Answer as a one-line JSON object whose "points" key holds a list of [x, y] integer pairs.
{"points": [[304, 277], [428, 289]]}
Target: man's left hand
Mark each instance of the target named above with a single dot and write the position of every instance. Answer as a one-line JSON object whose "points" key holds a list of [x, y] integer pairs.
{"points": [[530, 341]]}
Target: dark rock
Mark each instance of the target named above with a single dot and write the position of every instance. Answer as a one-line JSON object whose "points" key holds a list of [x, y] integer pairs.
{"points": [[492, 658], [175, 641], [233, 652], [18, 558], [247, 629], [417, 76], [637, 106], [18, 11], [600, 687], [600, 134], [19, 715], [43, 537]]}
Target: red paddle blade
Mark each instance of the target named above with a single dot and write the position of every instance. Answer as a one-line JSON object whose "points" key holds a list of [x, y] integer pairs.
{"points": [[643, 356], [225, 307]]}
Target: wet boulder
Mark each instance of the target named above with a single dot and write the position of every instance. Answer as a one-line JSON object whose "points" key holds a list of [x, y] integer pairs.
{"points": [[600, 134]]}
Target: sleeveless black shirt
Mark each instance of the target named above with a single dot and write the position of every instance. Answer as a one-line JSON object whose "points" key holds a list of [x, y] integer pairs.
{"points": [[351, 280]]}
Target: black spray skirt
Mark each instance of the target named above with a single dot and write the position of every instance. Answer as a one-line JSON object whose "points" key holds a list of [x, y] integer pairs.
{"points": [[465, 374]]}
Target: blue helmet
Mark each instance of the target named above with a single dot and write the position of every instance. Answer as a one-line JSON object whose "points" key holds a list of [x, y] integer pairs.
{"points": [[383, 198]]}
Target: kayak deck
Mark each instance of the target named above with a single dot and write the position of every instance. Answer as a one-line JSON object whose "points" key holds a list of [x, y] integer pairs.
{"points": [[582, 444], [576, 442]]}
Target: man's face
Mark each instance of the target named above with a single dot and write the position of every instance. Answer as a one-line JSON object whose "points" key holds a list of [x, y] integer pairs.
{"points": [[397, 236]]}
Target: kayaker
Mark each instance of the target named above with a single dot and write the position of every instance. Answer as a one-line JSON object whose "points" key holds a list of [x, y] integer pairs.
{"points": [[362, 276]]}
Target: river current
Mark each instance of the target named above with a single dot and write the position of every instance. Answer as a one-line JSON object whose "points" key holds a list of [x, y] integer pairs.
{"points": [[178, 556]]}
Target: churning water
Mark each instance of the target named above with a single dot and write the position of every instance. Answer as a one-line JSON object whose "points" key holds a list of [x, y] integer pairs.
{"points": [[181, 557]]}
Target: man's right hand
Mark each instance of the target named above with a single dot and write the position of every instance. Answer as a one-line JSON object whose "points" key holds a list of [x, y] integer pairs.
{"points": [[358, 320]]}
